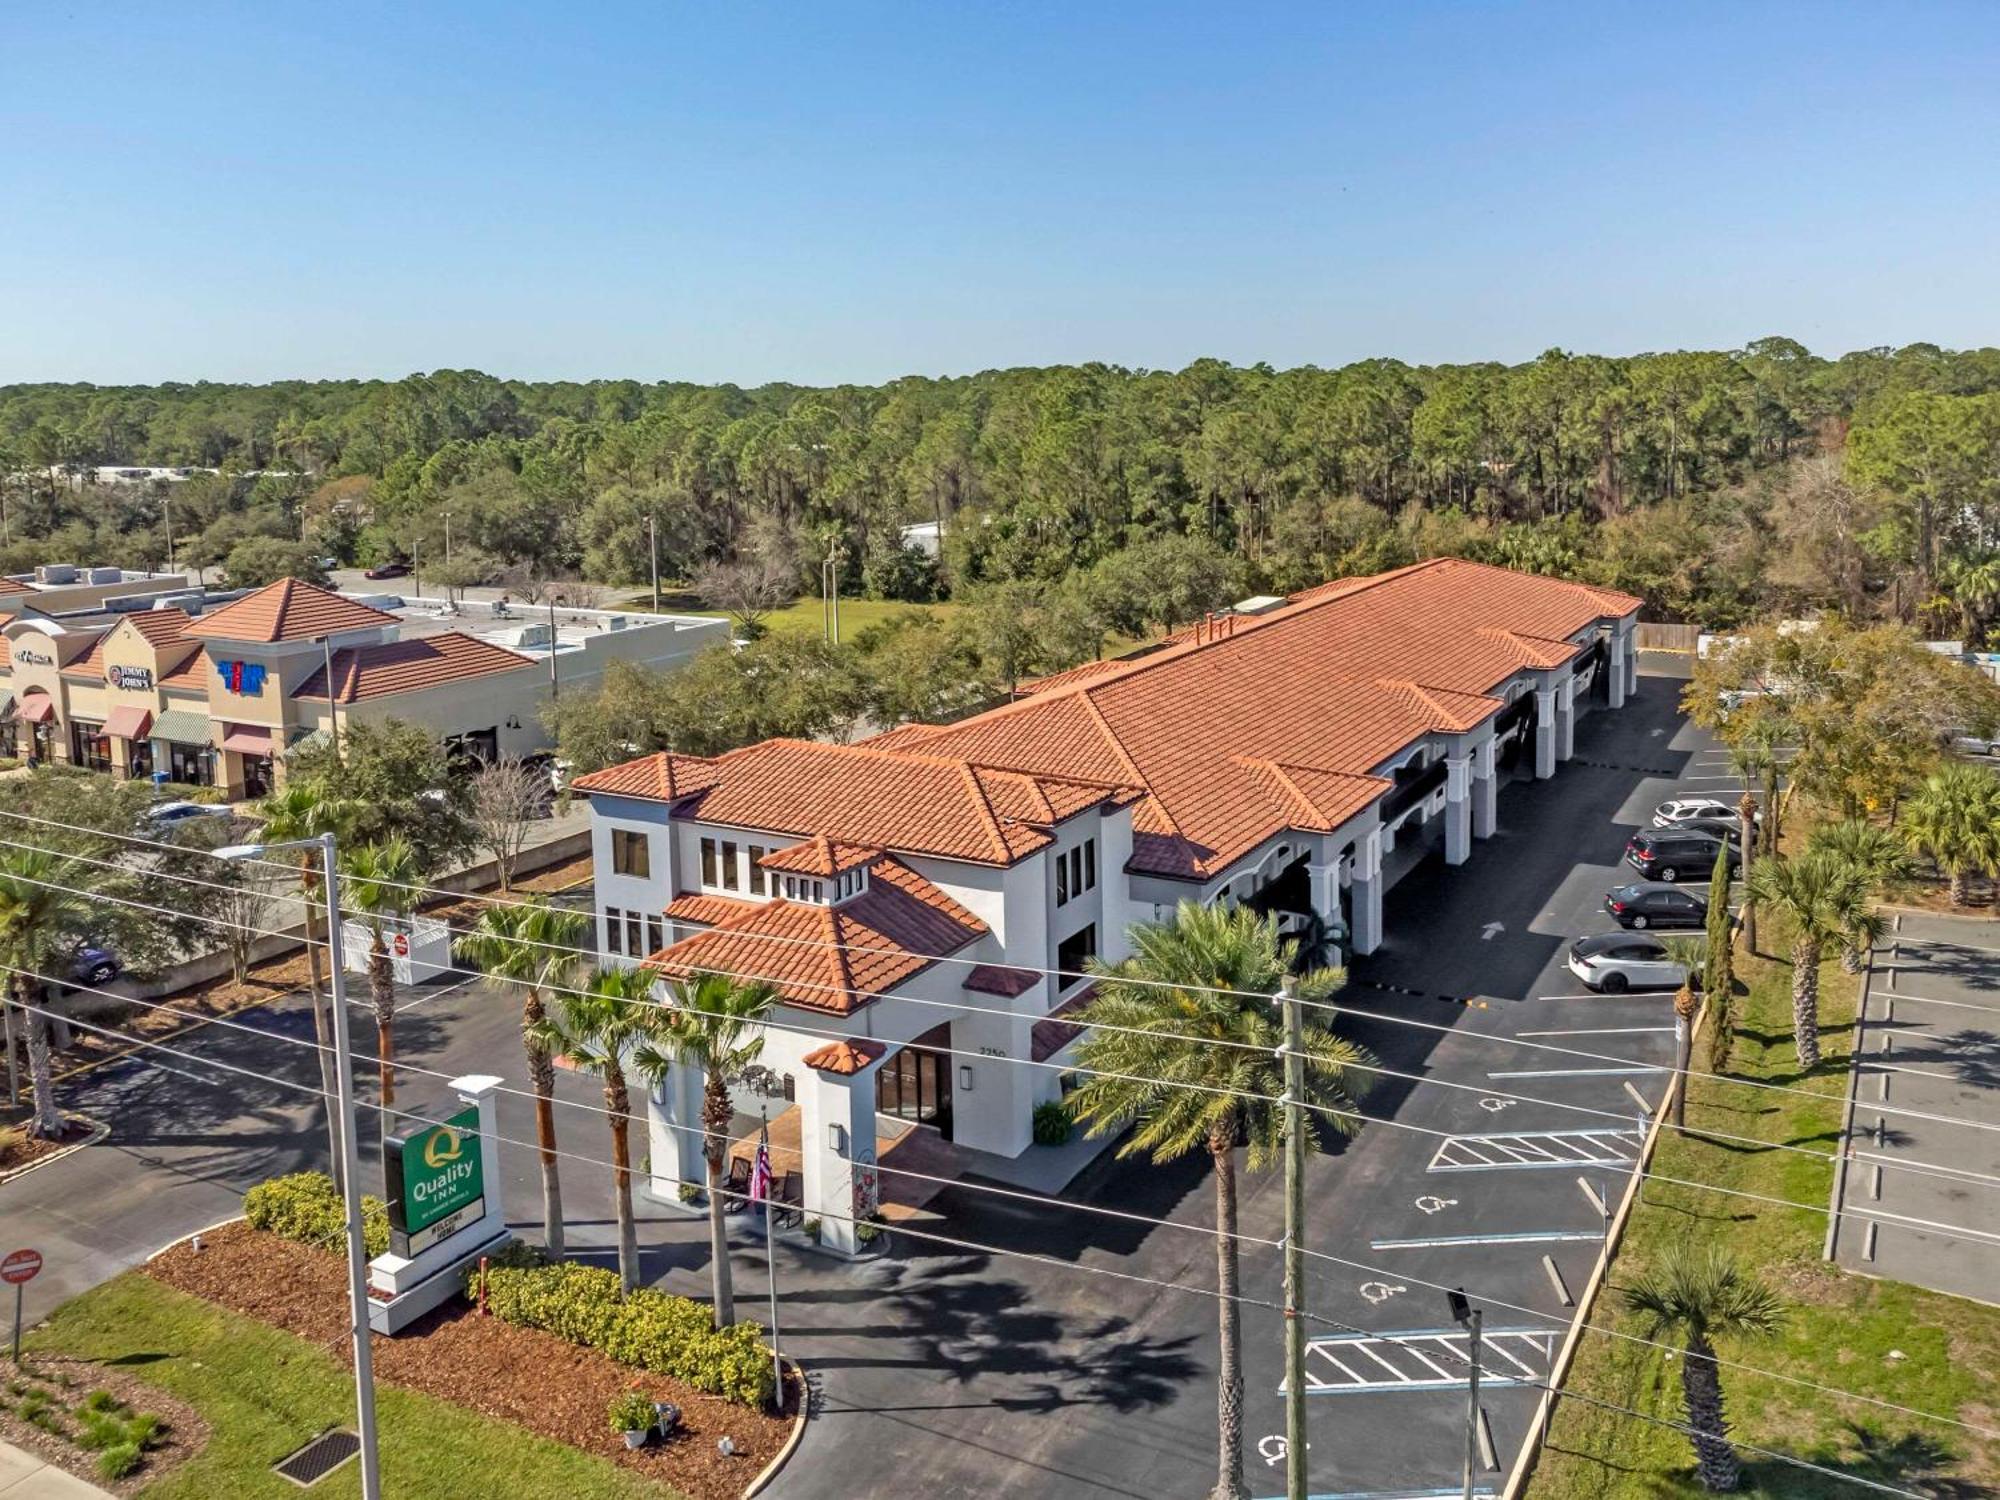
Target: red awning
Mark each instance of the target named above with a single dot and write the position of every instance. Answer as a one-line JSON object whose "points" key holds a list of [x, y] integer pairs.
{"points": [[248, 739], [38, 708], [129, 722]]}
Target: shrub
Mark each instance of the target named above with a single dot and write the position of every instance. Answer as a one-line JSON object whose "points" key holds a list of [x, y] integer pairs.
{"points": [[648, 1330], [867, 1232], [100, 1430], [306, 1207], [118, 1461], [811, 1227], [102, 1401], [687, 1192], [1052, 1124], [142, 1429], [631, 1412]]}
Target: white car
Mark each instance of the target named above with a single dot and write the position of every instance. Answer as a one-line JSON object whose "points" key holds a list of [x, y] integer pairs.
{"points": [[1680, 809], [166, 814], [1612, 962]]}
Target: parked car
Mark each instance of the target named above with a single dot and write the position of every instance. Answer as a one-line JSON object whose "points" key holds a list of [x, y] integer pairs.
{"points": [[1672, 853], [387, 570], [166, 814], [1649, 903], [1613, 962], [1680, 809], [95, 967], [1716, 828], [1975, 744]]}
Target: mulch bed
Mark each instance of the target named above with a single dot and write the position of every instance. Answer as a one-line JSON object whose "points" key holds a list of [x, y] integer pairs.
{"points": [[520, 1375], [180, 1435], [18, 1148]]}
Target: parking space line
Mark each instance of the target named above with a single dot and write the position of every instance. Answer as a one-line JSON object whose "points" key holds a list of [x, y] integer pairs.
{"points": [[1522, 1150], [1901, 995], [438, 994], [1526, 1237], [1571, 1072], [1910, 942], [1597, 1031]]}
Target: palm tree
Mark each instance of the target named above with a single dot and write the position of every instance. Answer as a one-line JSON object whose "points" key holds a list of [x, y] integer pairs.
{"points": [[1686, 950], [1696, 1298], [1746, 761], [597, 1026], [1816, 893], [712, 1025], [1880, 861], [43, 913], [1196, 1069], [378, 880], [537, 946], [307, 810], [1954, 819]]}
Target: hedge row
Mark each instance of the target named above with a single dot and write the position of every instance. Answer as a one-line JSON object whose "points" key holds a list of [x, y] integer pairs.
{"points": [[648, 1329], [307, 1207]]}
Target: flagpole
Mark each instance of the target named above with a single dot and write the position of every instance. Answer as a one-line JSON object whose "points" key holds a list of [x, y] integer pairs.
{"points": [[771, 1265]]}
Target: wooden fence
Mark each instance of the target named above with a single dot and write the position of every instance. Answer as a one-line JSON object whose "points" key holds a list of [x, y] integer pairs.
{"points": [[1652, 636]]}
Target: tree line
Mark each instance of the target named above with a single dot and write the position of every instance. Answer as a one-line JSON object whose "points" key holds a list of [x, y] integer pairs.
{"points": [[1719, 484]]}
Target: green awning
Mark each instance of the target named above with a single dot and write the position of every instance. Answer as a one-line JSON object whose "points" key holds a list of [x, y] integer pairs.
{"points": [[183, 727]]}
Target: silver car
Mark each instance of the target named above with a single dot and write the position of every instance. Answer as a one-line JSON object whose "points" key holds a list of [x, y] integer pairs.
{"points": [[1612, 962], [1680, 809], [1975, 744]]}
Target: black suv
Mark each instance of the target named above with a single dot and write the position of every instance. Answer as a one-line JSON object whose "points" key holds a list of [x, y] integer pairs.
{"points": [[1669, 854]]}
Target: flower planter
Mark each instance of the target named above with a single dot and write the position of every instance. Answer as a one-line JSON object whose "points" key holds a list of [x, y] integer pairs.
{"points": [[638, 1439]]}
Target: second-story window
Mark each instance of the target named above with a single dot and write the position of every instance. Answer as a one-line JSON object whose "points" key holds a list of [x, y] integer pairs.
{"points": [[1076, 871], [708, 862], [729, 881], [758, 878], [631, 853], [1073, 952]]}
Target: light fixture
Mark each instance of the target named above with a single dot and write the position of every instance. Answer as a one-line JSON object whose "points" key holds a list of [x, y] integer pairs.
{"points": [[836, 1137], [965, 1077]]}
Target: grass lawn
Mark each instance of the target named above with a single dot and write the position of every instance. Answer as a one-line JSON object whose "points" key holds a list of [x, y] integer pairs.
{"points": [[1840, 1328], [266, 1393]]}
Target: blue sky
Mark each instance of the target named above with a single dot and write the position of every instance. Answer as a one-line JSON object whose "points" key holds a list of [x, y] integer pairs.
{"points": [[835, 192]]}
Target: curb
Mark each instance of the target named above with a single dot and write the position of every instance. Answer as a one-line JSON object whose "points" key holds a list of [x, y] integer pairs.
{"points": [[98, 1131], [791, 1443], [205, 1229]]}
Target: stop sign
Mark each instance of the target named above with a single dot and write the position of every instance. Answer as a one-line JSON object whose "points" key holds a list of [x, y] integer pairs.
{"points": [[401, 943], [20, 1266]]}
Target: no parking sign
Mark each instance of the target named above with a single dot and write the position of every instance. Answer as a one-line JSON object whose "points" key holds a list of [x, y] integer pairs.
{"points": [[17, 1270]]}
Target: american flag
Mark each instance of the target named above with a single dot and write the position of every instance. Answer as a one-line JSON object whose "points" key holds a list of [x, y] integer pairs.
{"points": [[760, 1169]]}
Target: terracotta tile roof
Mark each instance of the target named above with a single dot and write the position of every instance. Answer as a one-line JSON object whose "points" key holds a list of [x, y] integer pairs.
{"points": [[1052, 1033], [833, 958], [706, 909], [820, 855], [1081, 673], [159, 626], [998, 979], [90, 664], [390, 667], [1244, 728], [192, 673], [14, 586], [662, 777], [845, 1057], [288, 610]]}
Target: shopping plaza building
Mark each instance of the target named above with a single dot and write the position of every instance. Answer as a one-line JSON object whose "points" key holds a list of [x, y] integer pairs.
{"points": [[926, 902], [159, 682]]}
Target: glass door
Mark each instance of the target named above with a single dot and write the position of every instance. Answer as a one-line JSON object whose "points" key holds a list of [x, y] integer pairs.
{"points": [[916, 1085]]}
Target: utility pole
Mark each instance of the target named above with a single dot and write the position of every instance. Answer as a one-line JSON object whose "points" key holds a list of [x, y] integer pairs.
{"points": [[1471, 1318], [653, 546], [1293, 1056]]}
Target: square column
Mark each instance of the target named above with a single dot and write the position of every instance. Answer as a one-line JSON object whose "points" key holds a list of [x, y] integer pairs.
{"points": [[1631, 664], [1365, 893], [673, 1134], [1485, 790], [1614, 667], [837, 1140], [1566, 718], [1545, 733], [1457, 809]]}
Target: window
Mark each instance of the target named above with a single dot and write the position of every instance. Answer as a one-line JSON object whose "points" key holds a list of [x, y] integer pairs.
{"points": [[708, 862], [656, 937], [1073, 951], [1076, 871], [631, 853], [633, 940], [614, 930], [729, 881], [791, 888], [757, 875]]}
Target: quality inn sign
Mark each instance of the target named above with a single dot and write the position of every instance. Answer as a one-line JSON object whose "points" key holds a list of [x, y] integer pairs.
{"points": [[437, 1183]]}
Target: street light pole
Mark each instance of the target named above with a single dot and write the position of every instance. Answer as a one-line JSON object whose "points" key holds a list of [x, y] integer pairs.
{"points": [[1293, 1054], [357, 1251], [1472, 1319]]}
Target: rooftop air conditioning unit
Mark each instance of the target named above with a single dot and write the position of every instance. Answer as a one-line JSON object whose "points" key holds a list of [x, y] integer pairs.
{"points": [[107, 575], [524, 637], [53, 573]]}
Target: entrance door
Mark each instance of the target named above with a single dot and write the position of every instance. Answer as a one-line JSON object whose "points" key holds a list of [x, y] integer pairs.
{"points": [[915, 1084], [256, 776]]}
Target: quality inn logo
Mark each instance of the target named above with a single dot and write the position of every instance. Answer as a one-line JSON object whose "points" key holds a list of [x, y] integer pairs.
{"points": [[444, 1147]]}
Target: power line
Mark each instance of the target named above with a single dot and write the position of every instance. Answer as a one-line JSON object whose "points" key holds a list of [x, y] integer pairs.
{"points": [[1124, 1276], [1046, 1200]]}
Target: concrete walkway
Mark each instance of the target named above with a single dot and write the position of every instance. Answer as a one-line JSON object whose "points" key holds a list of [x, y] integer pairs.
{"points": [[1929, 1043], [23, 1476]]}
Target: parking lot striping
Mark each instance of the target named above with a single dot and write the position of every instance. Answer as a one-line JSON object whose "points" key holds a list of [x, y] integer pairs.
{"points": [[1597, 1031], [1546, 1148], [1481, 1493], [1991, 1010], [1526, 1237], [1425, 1360], [1572, 1072]]}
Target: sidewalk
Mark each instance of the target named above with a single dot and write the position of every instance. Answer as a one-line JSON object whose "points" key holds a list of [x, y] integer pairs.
{"points": [[1928, 1043], [25, 1477]]}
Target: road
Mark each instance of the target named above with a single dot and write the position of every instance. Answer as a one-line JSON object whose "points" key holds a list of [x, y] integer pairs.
{"points": [[945, 1370]]}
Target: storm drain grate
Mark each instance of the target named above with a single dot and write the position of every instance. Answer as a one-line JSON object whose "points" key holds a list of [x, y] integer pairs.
{"points": [[319, 1458]]}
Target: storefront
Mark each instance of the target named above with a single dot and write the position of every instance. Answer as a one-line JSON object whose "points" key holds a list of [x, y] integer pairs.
{"points": [[183, 746], [130, 725], [37, 727], [252, 764], [89, 745]]}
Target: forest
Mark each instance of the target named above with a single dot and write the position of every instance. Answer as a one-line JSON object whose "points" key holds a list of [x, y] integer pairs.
{"points": [[1721, 485]]}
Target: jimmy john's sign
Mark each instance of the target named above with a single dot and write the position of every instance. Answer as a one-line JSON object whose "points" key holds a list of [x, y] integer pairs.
{"points": [[437, 1183]]}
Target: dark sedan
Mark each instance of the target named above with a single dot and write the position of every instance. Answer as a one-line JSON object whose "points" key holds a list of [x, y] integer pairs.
{"points": [[1655, 904]]}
